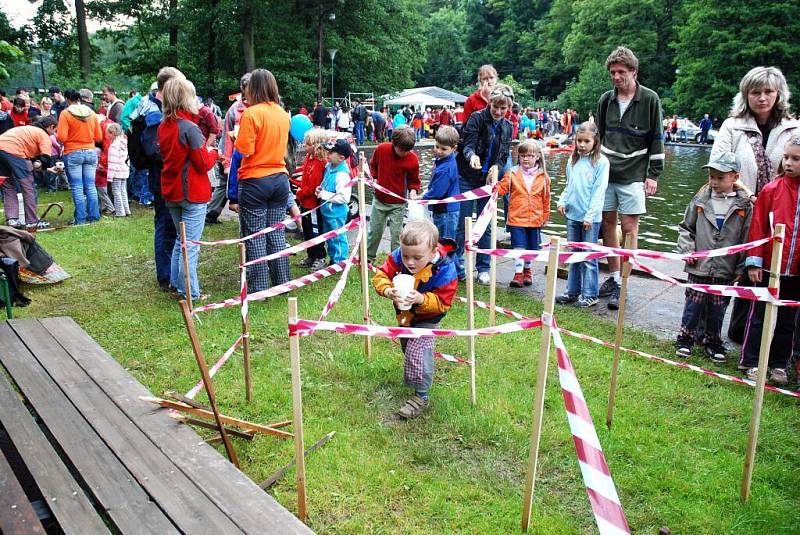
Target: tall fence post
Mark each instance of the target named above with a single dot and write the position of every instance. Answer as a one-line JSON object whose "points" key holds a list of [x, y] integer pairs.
{"points": [[623, 298], [248, 381], [362, 251], [297, 405], [186, 276], [468, 269]]}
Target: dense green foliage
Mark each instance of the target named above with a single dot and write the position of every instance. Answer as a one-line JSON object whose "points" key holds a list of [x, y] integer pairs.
{"points": [[692, 52]]}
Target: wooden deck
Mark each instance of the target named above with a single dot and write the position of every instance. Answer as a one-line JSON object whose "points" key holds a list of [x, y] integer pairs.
{"points": [[99, 460]]}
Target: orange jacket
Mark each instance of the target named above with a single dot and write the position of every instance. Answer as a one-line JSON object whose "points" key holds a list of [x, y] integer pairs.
{"points": [[526, 209], [78, 128]]}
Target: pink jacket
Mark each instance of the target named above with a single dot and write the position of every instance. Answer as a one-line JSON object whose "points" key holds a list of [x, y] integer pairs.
{"points": [[118, 159]]}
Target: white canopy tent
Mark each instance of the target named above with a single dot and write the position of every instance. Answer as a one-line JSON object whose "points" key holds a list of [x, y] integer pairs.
{"points": [[419, 100]]}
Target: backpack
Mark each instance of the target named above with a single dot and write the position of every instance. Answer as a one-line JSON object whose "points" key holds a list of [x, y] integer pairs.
{"points": [[143, 149]]}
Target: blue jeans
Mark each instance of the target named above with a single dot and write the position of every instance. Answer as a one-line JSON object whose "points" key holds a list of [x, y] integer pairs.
{"points": [[482, 263], [193, 216], [528, 238], [582, 279], [359, 132], [137, 182], [447, 223], [164, 238], [81, 166]]}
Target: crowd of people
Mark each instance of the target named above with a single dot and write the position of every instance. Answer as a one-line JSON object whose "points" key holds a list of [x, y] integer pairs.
{"points": [[170, 150]]}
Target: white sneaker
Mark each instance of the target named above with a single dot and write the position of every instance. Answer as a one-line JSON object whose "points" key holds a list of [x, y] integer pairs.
{"points": [[483, 278]]}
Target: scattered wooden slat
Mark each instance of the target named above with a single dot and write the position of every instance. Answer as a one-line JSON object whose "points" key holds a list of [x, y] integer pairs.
{"points": [[189, 401], [209, 425], [271, 480], [17, 516]]}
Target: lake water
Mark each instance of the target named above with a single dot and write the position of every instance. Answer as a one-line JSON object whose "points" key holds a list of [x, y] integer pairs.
{"points": [[658, 229]]}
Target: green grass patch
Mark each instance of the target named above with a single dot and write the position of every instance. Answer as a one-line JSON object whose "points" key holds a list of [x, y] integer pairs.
{"points": [[676, 449]]}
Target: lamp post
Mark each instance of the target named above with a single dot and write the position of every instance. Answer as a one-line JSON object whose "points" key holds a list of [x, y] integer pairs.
{"points": [[332, 53], [534, 83], [320, 32]]}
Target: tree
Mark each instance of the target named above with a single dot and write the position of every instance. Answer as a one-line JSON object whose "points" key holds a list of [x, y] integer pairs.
{"points": [[583, 94], [446, 48], [83, 40], [8, 54]]}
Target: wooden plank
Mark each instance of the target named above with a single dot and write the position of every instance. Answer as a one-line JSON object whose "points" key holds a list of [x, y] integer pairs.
{"points": [[188, 508], [64, 496], [113, 487], [252, 509], [17, 516]]}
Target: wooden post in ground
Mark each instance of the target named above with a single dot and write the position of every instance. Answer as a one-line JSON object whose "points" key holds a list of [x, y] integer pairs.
{"points": [[493, 268], [201, 363], [362, 251], [186, 277], [248, 381], [541, 381], [623, 297], [297, 405], [770, 316], [469, 267]]}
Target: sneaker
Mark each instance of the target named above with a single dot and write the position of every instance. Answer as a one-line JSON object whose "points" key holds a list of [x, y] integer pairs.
{"points": [[716, 352], [517, 281], [39, 225], [15, 223], [413, 408], [613, 300], [778, 376], [319, 263], [527, 276], [751, 373], [586, 302], [566, 299], [607, 288], [683, 350], [483, 278], [306, 262]]}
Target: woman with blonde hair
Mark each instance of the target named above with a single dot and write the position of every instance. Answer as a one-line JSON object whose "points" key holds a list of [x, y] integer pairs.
{"points": [[184, 176]]}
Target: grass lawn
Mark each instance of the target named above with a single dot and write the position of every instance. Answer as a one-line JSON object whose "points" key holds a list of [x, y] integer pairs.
{"points": [[675, 452]]}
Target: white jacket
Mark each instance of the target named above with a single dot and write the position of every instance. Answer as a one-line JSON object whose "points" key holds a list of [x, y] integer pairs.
{"points": [[118, 159], [732, 138]]}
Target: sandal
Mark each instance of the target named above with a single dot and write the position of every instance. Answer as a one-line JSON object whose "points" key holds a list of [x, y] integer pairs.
{"points": [[413, 408]]}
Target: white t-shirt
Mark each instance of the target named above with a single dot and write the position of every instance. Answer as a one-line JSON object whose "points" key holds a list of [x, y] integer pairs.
{"points": [[623, 105]]}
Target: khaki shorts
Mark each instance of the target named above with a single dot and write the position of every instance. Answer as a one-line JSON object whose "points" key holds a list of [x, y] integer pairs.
{"points": [[626, 199]]}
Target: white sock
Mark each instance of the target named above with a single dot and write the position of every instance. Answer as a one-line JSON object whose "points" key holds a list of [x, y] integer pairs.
{"points": [[616, 276]]}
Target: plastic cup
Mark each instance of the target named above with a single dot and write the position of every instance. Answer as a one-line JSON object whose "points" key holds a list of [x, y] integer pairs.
{"points": [[404, 284], [416, 211]]}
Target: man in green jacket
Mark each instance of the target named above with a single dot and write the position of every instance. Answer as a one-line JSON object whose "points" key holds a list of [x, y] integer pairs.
{"points": [[629, 119]]}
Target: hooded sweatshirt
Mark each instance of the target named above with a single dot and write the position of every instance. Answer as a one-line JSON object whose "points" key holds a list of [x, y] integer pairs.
{"points": [[78, 128]]}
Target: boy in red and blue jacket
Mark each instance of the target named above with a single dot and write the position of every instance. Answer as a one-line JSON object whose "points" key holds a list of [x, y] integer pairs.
{"points": [[435, 281]]}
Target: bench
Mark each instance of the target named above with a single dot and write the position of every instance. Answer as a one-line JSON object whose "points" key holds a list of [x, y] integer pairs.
{"points": [[96, 459]]}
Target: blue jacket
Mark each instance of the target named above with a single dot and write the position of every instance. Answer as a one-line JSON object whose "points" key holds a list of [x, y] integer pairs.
{"points": [[586, 189], [333, 181], [444, 183]]}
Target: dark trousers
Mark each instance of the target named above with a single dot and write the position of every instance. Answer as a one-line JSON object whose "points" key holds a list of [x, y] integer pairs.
{"points": [[781, 348], [164, 236], [705, 307], [318, 251], [219, 198]]}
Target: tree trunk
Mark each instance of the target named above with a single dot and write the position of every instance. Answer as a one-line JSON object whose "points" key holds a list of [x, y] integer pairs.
{"points": [[248, 39], [212, 47], [319, 55], [173, 33], [83, 40]]}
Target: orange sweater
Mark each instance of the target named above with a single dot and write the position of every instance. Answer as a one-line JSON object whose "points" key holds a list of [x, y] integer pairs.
{"points": [[526, 209], [262, 139], [78, 128]]}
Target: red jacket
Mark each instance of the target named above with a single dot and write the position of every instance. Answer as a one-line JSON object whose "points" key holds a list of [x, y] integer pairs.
{"points": [[313, 171], [394, 173], [475, 102], [778, 199], [186, 158]]}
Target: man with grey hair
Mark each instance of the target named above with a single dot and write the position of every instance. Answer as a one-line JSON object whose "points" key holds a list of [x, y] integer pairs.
{"points": [[629, 118], [87, 98]]}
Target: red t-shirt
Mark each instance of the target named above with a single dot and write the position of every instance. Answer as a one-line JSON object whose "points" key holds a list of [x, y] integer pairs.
{"points": [[394, 173], [475, 102], [20, 119]]}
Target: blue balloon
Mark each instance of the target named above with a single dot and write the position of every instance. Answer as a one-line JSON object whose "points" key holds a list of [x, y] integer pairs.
{"points": [[299, 126]]}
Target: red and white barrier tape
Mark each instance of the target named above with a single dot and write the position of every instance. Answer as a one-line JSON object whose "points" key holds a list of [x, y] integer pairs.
{"points": [[484, 218], [471, 195], [339, 288], [307, 327], [644, 253], [299, 282], [607, 509], [217, 365], [306, 244], [267, 230], [542, 255]]}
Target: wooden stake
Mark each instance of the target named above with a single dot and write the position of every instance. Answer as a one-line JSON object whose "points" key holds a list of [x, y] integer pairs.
{"points": [[770, 316], [248, 381], [362, 251], [493, 269], [297, 403], [208, 425], [468, 269], [623, 297], [541, 381], [186, 276], [201, 363], [271, 480]]}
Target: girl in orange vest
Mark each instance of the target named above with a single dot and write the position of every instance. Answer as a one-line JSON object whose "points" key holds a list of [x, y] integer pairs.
{"points": [[528, 186]]}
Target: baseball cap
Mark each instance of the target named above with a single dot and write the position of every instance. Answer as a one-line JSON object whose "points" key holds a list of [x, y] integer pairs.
{"points": [[153, 86], [340, 146], [724, 162]]}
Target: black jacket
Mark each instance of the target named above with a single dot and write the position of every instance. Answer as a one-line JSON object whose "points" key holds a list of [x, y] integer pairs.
{"points": [[479, 133]]}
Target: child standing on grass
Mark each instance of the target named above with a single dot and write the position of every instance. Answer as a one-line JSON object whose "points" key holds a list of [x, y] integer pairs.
{"points": [[528, 187], [421, 255], [313, 171], [581, 203], [118, 170], [334, 188], [777, 203], [444, 182], [718, 216]]}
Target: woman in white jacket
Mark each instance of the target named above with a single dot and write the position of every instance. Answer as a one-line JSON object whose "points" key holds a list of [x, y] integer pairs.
{"points": [[118, 169], [758, 127]]}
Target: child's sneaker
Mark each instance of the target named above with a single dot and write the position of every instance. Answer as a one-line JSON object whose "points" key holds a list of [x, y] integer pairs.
{"points": [[319, 263], [517, 281], [527, 276], [413, 407], [483, 278], [778, 376], [586, 302], [566, 299], [683, 350], [751, 373], [716, 353], [608, 287], [306, 262]]}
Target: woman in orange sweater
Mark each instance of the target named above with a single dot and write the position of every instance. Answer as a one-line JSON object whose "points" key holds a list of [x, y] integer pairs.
{"points": [[78, 130], [528, 205]]}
